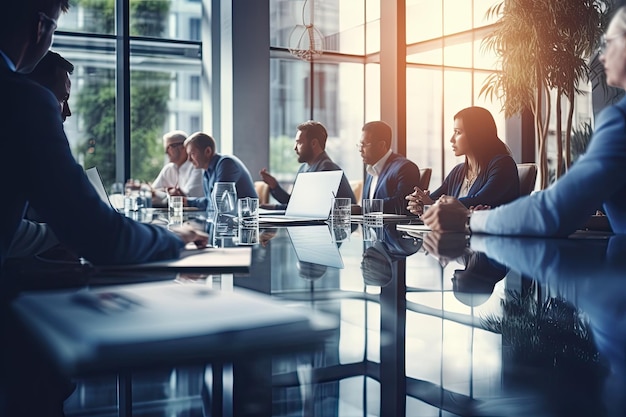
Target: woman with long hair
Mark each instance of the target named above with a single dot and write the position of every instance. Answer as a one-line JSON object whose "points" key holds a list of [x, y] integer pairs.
{"points": [[488, 177]]}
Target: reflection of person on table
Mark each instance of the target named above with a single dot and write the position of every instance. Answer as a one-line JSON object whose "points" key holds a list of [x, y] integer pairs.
{"points": [[390, 176], [178, 176], [597, 178], [489, 174], [217, 168], [590, 275], [310, 145]]}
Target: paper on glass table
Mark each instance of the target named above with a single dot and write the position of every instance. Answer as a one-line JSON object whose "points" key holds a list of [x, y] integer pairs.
{"points": [[223, 259]]}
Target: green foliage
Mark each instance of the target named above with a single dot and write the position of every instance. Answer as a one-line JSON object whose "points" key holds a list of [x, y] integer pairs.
{"points": [[96, 102], [581, 137], [283, 159]]}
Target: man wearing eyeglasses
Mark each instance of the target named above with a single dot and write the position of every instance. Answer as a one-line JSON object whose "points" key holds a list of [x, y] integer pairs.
{"points": [[178, 177], [389, 175]]}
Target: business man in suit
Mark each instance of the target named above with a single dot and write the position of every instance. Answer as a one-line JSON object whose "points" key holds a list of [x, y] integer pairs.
{"points": [[31, 117], [310, 146], [201, 149], [389, 175]]}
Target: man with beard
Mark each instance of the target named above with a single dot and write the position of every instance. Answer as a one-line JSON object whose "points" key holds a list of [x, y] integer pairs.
{"points": [[310, 147]]}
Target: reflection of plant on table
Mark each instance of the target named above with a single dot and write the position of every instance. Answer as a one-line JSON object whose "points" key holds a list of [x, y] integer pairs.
{"points": [[551, 334]]}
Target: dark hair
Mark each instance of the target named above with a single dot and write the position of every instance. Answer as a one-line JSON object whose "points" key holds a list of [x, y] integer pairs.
{"points": [[201, 141], [380, 130], [314, 130], [46, 71], [16, 15], [482, 135]]}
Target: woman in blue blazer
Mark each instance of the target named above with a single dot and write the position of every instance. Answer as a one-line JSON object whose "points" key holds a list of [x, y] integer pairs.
{"points": [[488, 177]]}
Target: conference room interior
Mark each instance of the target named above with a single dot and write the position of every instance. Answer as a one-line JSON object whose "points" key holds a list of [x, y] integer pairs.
{"points": [[409, 341]]}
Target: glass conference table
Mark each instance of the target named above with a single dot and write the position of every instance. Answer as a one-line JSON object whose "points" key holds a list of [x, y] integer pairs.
{"points": [[428, 325]]}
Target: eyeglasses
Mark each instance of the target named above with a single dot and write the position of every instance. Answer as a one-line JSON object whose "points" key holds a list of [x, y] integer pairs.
{"points": [[173, 145], [360, 145], [605, 41], [48, 19]]}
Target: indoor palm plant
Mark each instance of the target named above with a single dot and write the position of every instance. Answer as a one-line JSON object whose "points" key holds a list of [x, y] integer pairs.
{"points": [[543, 48]]}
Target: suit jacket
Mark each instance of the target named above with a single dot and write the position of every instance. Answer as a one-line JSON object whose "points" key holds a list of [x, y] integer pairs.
{"points": [[323, 163], [597, 178], [225, 168], [40, 170], [496, 185], [396, 181]]}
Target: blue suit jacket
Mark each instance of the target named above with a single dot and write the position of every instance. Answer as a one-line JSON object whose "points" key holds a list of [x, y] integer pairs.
{"points": [[497, 185], [225, 168], [396, 181], [40, 170], [596, 179]]}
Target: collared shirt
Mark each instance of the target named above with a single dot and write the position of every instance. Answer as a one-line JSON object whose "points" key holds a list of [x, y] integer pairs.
{"points": [[185, 177], [10, 63], [375, 170]]}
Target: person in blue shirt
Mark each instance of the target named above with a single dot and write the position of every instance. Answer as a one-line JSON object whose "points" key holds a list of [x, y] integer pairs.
{"points": [[596, 179], [488, 176], [217, 168]]}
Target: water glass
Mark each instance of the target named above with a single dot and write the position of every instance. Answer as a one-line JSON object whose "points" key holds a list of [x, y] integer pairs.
{"points": [[175, 209], [340, 213], [225, 206], [248, 211], [372, 212], [248, 235]]}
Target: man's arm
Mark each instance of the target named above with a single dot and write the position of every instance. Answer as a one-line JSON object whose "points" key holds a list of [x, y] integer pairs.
{"points": [[400, 184], [80, 219]]}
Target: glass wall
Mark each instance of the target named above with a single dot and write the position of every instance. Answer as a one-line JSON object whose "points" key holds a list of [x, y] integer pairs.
{"points": [[164, 85]]}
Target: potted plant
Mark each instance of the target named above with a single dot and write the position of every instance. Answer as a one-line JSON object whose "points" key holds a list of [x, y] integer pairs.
{"points": [[543, 48]]}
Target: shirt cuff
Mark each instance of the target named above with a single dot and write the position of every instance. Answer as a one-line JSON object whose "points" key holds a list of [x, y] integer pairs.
{"points": [[478, 221]]}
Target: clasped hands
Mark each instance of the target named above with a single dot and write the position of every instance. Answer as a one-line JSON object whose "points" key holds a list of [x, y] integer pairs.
{"points": [[446, 214]]}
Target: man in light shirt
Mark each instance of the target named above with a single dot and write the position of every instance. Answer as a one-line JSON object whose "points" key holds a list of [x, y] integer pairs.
{"points": [[389, 175], [178, 177]]}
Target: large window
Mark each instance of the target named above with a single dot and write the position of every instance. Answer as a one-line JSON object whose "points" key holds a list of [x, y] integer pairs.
{"points": [[163, 87]]}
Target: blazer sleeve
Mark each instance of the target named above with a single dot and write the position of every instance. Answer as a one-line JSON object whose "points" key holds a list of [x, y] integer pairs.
{"points": [[79, 219], [399, 184], [499, 185], [557, 211]]}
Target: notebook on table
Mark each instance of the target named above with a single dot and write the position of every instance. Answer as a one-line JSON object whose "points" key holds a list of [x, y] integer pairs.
{"points": [[311, 198], [111, 328]]}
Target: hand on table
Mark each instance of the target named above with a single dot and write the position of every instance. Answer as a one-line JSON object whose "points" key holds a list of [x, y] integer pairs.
{"points": [[417, 200], [445, 246], [447, 215], [189, 234], [268, 178]]}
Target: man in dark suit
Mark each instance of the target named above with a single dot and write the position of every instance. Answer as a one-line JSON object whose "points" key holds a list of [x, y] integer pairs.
{"points": [[311, 150], [33, 126], [389, 175]]}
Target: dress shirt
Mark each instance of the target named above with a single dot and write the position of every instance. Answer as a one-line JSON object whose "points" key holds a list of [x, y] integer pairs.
{"points": [[597, 178], [185, 177], [375, 171]]}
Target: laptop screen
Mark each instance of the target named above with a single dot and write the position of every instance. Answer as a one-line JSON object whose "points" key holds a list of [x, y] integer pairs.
{"points": [[96, 181], [312, 194]]}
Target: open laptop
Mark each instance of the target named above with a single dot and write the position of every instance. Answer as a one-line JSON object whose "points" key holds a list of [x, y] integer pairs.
{"points": [[311, 198], [315, 245], [94, 178]]}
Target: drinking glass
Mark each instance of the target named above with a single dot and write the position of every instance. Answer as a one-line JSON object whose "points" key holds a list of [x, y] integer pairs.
{"points": [[373, 212]]}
